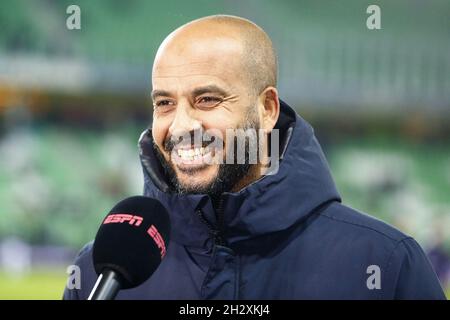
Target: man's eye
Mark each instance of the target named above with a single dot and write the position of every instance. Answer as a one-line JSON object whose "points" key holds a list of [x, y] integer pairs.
{"points": [[208, 100], [163, 103]]}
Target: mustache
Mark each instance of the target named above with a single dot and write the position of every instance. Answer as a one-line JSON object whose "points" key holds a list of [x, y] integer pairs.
{"points": [[191, 138]]}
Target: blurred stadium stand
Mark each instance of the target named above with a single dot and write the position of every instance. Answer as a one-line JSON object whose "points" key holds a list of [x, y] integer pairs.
{"points": [[73, 102], [327, 55]]}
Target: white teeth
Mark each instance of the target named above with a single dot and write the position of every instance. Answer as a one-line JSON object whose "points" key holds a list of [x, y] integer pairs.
{"points": [[191, 154]]}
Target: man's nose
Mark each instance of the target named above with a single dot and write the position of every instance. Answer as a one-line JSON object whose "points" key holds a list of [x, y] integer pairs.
{"points": [[184, 121]]}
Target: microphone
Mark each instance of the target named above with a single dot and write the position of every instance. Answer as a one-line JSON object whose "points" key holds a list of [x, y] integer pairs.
{"points": [[129, 245]]}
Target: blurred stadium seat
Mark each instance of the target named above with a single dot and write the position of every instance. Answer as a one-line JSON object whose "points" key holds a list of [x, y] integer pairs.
{"points": [[73, 102]]}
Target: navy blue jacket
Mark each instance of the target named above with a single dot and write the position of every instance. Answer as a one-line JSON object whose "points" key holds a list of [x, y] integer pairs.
{"points": [[285, 236]]}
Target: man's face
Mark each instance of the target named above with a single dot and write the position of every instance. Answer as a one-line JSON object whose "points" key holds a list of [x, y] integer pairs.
{"points": [[199, 87]]}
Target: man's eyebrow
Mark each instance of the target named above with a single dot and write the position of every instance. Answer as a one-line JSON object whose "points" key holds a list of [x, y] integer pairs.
{"points": [[159, 93], [209, 89], [196, 92]]}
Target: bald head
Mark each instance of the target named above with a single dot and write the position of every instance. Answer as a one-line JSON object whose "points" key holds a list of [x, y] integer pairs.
{"points": [[252, 52]]}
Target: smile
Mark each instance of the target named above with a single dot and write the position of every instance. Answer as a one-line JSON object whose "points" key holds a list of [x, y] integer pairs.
{"points": [[193, 153], [187, 157]]}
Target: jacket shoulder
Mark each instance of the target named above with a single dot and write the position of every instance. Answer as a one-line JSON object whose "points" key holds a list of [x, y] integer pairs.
{"points": [[355, 220], [408, 274]]}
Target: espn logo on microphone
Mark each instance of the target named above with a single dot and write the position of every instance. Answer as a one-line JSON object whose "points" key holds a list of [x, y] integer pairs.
{"points": [[153, 232], [136, 221], [122, 217]]}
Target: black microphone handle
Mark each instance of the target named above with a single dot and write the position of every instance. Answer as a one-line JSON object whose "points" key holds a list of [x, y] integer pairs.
{"points": [[106, 287]]}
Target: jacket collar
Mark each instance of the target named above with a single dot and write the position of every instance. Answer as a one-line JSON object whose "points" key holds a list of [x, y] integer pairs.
{"points": [[273, 203]]}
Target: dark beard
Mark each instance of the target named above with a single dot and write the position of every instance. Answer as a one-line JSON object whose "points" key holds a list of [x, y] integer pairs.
{"points": [[228, 175]]}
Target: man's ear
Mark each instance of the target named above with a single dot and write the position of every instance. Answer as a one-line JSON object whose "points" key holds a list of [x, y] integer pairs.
{"points": [[271, 108]]}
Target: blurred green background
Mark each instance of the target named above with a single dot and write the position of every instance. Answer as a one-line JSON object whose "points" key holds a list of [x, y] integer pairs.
{"points": [[73, 103]]}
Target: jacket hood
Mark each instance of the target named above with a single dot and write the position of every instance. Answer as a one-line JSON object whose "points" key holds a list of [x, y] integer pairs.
{"points": [[271, 204]]}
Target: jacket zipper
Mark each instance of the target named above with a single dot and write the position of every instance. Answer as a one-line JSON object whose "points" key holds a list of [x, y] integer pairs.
{"points": [[220, 221], [216, 232]]}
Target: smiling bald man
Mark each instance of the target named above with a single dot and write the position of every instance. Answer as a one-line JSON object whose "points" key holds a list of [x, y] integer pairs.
{"points": [[272, 227]]}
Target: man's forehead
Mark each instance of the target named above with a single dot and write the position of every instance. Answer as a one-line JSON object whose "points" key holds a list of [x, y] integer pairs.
{"points": [[198, 52], [181, 73], [188, 60], [213, 68]]}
